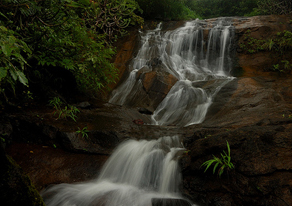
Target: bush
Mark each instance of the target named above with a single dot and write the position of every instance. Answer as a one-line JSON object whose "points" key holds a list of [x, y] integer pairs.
{"points": [[219, 8], [166, 9], [75, 35], [275, 7]]}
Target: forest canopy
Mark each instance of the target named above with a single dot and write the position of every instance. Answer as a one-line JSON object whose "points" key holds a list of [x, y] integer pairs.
{"points": [[185, 9]]}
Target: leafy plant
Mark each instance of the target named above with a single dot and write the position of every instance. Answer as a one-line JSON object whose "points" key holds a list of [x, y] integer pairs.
{"points": [[69, 111], [12, 62], [56, 103], [83, 132], [63, 112], [72, 35], [223, 162]]}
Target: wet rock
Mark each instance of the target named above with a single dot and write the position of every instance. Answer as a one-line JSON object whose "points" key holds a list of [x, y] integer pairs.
{"points": [[245, 101], [260, 155], [46, 165], [259, 27], [98, 142], [84, 105], [169, 202], [145, 111], [138, 121], [126, 48], [157, 85]]}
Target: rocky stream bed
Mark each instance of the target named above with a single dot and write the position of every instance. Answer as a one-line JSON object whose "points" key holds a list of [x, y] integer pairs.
{"points": [[252, 112]]}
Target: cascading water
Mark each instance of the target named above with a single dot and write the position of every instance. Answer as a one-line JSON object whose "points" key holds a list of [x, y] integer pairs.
{"points": [[182, 53], [141, 171], [136, 173]]}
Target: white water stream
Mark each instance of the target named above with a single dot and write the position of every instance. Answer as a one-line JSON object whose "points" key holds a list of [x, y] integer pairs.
{"points": [[139, 171], [136, 172], [201, 71]]}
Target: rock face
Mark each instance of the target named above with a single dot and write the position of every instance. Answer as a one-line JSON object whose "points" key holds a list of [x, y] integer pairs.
{"points": [[260, 27], [261, 155]]}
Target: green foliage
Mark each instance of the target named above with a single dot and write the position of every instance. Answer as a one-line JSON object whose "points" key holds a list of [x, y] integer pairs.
{"points": [[275, 7], [12, 62], [114, 16], [218, 8], [166, 9], [74, 35], [63, 110], [279, 45], [83, 132], [56, 103], [223, 162]]}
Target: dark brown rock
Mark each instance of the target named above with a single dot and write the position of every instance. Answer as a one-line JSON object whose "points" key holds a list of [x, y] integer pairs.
{"points": [[260, 27], [260, 155], [15, 186], [47, 165], [169, 202]]}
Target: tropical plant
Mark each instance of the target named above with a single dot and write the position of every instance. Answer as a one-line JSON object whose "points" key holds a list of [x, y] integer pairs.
{"points": [[223, 162], [84, 132]]}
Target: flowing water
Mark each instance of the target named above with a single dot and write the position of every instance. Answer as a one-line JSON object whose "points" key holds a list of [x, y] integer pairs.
{"points": [[202, 70], [140, 171], [136, 172]]}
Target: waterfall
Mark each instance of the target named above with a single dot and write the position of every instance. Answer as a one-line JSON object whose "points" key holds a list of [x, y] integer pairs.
{"points": [[201, 70], [136, 173]]}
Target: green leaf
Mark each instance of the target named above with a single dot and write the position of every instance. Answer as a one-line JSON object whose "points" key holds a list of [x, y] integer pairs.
{"points": [[215, 166], [22, 78], [13, 74], [7, 49], [1, 14], [221, 170], [3, 72]]}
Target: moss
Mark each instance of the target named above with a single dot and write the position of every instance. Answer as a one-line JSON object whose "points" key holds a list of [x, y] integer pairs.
{"points": [[16, 187]]}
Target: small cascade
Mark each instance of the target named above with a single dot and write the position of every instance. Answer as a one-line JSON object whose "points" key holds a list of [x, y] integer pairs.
{"points": [[135, 174], [202, 70]]}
